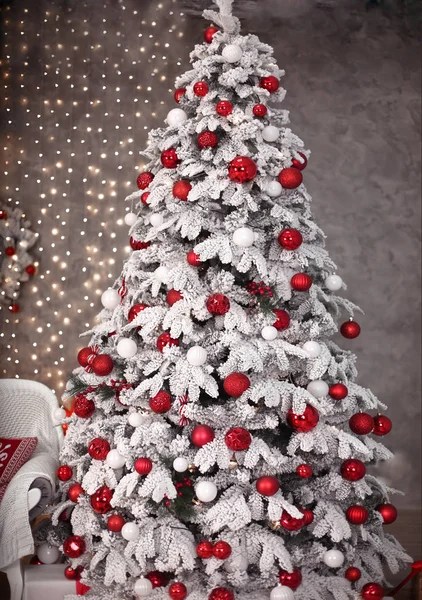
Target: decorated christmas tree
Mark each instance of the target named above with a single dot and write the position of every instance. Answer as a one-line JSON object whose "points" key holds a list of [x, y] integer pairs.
{"points": [[219, 446]]}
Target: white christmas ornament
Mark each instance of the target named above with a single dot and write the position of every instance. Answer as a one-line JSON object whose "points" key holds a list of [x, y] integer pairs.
{"points": [[313, 349], [269, 332], [110, 299], [243, 237], [180, 464], [196, 356], [176, 117], [59, 414], [127, 348], [48, 554], [115, 460], [136, 419], [130, 219], [162, 274], [232, 53], [270, 133], [156, 220], [318, 388], [206, 491], [274, 189], [334, 559], [130, 532], [334, 283], [235, 564], [282, 592], [143, 588]]}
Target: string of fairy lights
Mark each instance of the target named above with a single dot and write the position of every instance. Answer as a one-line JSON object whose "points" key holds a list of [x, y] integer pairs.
{"points": [[83, 84]]}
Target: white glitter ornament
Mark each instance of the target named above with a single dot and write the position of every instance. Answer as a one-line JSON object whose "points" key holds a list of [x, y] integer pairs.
{"points": [[313, 349], [136, 419], [143, 588], [334, 559], [48, 554], [318, 388], [115, 460], [269, 332], [176, 117], [282, 592], [206, 491], [333, 283], [196, 356], [274, 189], [127, 348], [130, 219], [232, 53], [156, 220], [130, 532], [162, 274], [243, 237], [110, 299], [270, 133], [180, 464]]}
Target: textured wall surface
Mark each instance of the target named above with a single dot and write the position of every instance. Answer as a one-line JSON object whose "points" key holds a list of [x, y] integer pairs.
{"points": [[353, 83]]}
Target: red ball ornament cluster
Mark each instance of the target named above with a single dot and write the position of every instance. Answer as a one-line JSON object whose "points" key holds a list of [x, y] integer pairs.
{"points": [[73, 574], [178, 591], [100, 364], [361, 423], [304, 471], [135, 310], [290, 239], [207, 139], [271, 84], [267, 485], [236, 384], [353, 469], [292, 523], [242, 169], [138, 244], [201, 435], [238, 439], [388, 512], [100, 500], [353, 574], [178, 94], [301, 282], [64, 473], [74, 546], [305, 422], [209, 33], [283, 319], [350, 329], [181, 189], [144, 180], [115, 523], [201, 89], [224, 108], [164, 340], [98, 448], [218, 304], [143, 466], [169, 159], [260, 110], [372, 591], [75, 491], [161, 403], [173, 296], [290, 178], [382, 425], [193, 259], [290, 580], [338, 391], [221, 593], [83, 407], [357, 514]]}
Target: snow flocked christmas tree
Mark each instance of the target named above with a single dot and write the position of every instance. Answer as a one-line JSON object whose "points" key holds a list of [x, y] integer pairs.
{"points": [[219, 443]]}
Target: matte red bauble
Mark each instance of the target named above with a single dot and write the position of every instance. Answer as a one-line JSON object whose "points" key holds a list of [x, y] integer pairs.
{"points": [[64, 473], [75, 491], [271, 84], [260, 110], [209, 33], [164, 340], [357, 514], [242, 169], [31, 269], [207, 139], [181, 189], [157, 579], [173, 296], [308, 516], [300, 164], [338, 391], [205, 550], [178, 94], [267, 485], [14, 308], [291, 523], [201, 89], [115, 523], [236, 383], [143, 466], [361, 423], [193, 259], [353, 574], [10, 251], [144, 198], [388, 512], [83, 407], [372, 591], [304, 471], [301, 282], [238, 439], [291, 580], [353, 469], [100, 500], [102, 365], [290, 178], [290, 239], [98, 448], [221, 593], [222, 550], [283, 319], [74, 546], [224, 108], [178, 591], [137, 244], [144, 180], [161, 403], [135, 310], [169, 158], [201, 435], [382, 425], [303, 423], [218, 304], [350, 330]]}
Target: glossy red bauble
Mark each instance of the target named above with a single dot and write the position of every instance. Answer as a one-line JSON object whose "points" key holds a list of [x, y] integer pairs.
{"points": [[209, 33], [267, 485], [353, 469], [115, 523], [224, 108], [201, 435], [353, 574], [260, 110], [102, 365], [161, 403], [201, 89], [304, 471], [291, 523], [143, 466], [290, 178], [144, 180], [64, 473], [157, 579], [144, 198], [178, 591], [242, 169], [300, 164], [291, 580], [218, 304], [164, 340], [178, 94], [169, 159], [372, 591], [238, 439], [74, 546], [290, 239], [75, 491], [388, 512], [222, 550], [10, 251], [236, 384], [83, 407], [308, 516], [338, 391], [271, 84], [350, 330], [283, 319], [301, 282], [173, 296], [305, 422], [100, 500], [382, 425], [205, 550], [193, 259], [31, 269], [181, 189], [73, 574], [361, 423], [138, 245], [357, 514], [221, 593], [98, 448], [207, 139]]}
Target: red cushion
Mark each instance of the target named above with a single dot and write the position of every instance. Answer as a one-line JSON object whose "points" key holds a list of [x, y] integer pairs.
{"points": [[14, 452]]}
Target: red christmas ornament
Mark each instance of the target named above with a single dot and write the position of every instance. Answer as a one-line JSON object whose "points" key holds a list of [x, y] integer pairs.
{"points": [[267, 485], [304, 471], [100, 500], [161, 403], [290, 580], [201, 435], [271, 84], [181, 189], [283, 319], [290, 178], [157, 579], [14, 308], [75, 491], [236, 383], [357, 514], [164, 340], [372, 591], [338, 391], [361, 423], [10, 251], [178, 591], [115, 523], [173, 296], [83, 355], [73, 574], [143, 466], [221, 593], [224, 108], [218, 304], [135, 310], [205, 550], [207, 139], [83, 407], [222, 550], [31, 269], [144, 180], [388, 512], [201, 89], [353, 469], [193, 259], [102, 365], [169, 159], [238, 439], [35, 561], [291, 523], [382, 425], [303, 423], [260, 110], [301, 282], [350, 329], [178, 94], [209, 33], [242, 169], [353, 574], [144, 198], [74, 546], [290, 239], [64, 473], [3, 214], [300, 164], [308, 516], [98, 448], [137, 244]]}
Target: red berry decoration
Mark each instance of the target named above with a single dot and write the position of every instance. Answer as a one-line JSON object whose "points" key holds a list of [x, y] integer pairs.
{"points": [[283, 319], [10, 251], [242, 169], [300, 164], [102, 365], [338, 391], [100, 500], [75, 491], [388, 512], [164, 340], [64, 473], [144, 180], [72, 574], [350, 329], [205, 550], [31, 269], [260, 110], [218, 304], [143, 466], [353, 574], [161, 403], [98, 448], [224, 108], [290, 239], [157, 579], [361, 423], [207, 139], [169, 159], [138, 245], [115, 523], [144, 198], [201, 89], [173, 296], [83, 407], [178, 591], [305, 422], [178, 94], [291, 523], [372, 591], [74, 546], [193, 259], [3, 214], [236, 384], [222, 550], [201, 435], [290, 580], [382, 425], [209, 33], [290, 178], [301, 282], [267, 485], [271, 84], [14, 308], [238, 439], [353, 469], [357, 514], [221, 593], [308, 515], [135, 310], [181, 189], [304, 471]]}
